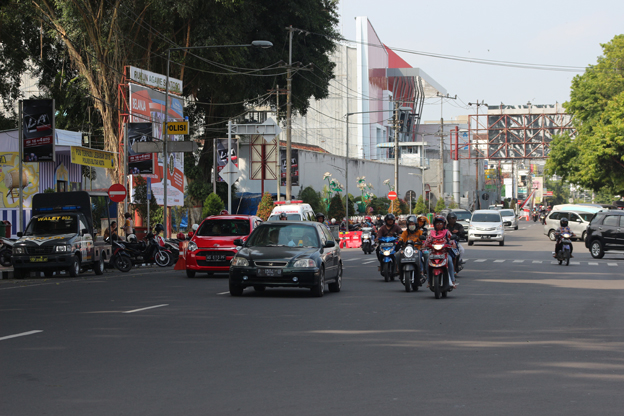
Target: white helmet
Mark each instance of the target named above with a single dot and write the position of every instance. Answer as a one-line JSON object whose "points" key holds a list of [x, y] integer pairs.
{"points": [[131, 238], [195, 227], [333, 220]]}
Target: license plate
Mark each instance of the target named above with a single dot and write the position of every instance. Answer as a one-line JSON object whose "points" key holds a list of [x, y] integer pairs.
{"points": [[269, 272], [216, 257], [38, 259], [408, 260], [486, 237]]}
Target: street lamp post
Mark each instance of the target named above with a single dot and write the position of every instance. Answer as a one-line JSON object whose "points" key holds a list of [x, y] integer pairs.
{"points": [[264, 44]]}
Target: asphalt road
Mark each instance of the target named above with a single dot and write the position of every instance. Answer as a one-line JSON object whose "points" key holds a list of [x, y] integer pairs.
{"points": [[519, 336]]}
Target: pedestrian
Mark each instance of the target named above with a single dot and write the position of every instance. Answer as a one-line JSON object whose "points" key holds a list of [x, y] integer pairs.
{"points": [[128, 224]]}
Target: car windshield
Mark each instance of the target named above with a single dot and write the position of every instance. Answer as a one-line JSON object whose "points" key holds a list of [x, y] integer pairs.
{"points": [[587, 216], [463, 215], [483, 217], [223, 228], [507, 213], [284, 235], [52, 224], [291, 217]]}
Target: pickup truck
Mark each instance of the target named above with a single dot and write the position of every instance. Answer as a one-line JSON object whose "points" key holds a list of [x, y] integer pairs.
{"points": [[62, 235]]}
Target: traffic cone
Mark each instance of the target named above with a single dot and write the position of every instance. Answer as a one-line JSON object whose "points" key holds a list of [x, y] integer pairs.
{"points": [[181, 263]]}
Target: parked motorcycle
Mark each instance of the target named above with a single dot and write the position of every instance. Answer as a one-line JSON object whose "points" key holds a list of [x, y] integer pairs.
{"points": [[148, 251], [439, 277], [387, 248], [564, 254], [120, 257], [368, 240], [6, 251], [410, 267]]}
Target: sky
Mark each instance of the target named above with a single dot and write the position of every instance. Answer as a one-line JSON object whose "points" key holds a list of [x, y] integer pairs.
{"points": [[547, 32]]}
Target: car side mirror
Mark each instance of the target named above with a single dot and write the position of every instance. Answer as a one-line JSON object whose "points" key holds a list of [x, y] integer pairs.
{"points": [[239, 242], [20, 234], [330, 244]]}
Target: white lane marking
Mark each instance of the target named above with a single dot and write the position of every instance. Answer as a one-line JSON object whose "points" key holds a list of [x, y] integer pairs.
{"points": [[370, 261], [537, 261], [554, 262], [612, 264], [575, 262], [144, 309], [223, 293], [518, 261], [480, 260], [592, 264], [351, 259], [499, 261], [23, 334]]}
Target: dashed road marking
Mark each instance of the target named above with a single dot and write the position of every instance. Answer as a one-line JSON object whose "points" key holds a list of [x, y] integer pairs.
{"points": [[499, 261], [537, 261], [370, 261], [612, 264], [149, 307], [575, 262], [592, 263], [23, 334], [480, 260], [352, 259], [518, 261]]}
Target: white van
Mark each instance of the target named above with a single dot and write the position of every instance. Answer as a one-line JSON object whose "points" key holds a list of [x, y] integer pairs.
{"points": [[295, 210]]}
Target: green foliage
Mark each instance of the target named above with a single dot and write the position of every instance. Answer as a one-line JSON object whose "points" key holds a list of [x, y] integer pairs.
{"points": [[560, 190], [265, 207], [440, 205], [336, 208], [213, 205], [379, 205], [310, 196], [595, 157], [403, 206], [140, 198], [352, 206], [395, 207], [49, 191], [420, 207], [453, 204]]}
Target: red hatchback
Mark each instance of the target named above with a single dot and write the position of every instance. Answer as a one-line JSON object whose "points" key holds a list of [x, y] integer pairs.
{"points": [[212, 247]]}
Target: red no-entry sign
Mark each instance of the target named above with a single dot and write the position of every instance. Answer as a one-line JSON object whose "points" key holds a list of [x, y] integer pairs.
{"points": [[117, 192], [392, 195]]}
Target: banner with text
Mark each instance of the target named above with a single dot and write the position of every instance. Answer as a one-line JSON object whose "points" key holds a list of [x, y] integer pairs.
{"points": [[92, 157], [294, 167], [140, 163], [38, 130], [222, 155]]}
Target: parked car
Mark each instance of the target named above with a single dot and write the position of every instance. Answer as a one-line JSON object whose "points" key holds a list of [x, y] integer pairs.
{"points": [[605, 233], [299, 254], [510, 219], [577, 221], [212, 247], [486, 225], [463, 217]]}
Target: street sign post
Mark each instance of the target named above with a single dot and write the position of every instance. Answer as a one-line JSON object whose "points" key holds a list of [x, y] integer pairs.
{"points": [[149, 196], [117, 192], [177, 127]]}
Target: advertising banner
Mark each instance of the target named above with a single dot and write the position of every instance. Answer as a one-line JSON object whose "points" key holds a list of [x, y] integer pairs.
{"points": [[9, 181], [294, 167], [38, 130], [148, 105], [140, 163], [222, 156], [92, 157]]}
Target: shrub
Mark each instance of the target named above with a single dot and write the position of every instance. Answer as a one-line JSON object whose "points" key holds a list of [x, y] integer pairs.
{"points": [[265, 207], [440, 205], [213, 205], [336, 208], [420, 207], [310, 196]]}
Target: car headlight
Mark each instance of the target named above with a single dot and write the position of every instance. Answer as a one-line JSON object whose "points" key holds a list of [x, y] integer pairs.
{"points": [[62, 248], [192, 246], [409, 251], [499, 228], [240, 262], [19, 250], [305, 263]]}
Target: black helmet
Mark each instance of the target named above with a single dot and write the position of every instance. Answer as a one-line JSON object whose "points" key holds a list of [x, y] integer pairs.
{"points": [[159, 228], [320, 215], [283, 216], [411, 218], [564, 222], [378, 216], [389, 217], [451, 215]]}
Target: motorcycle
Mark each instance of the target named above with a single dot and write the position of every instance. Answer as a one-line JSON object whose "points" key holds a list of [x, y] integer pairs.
{"points": [[439, 277], [535, 217], [120, 257], [6, 251], [387, 247], [368, 241], [542, 218], [410, 267], [565, 252], [148, 251]]}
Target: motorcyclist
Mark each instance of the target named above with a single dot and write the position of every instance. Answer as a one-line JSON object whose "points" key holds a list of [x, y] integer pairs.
{"points": [[157, 230], [389, 228], [440, 232], [455, 228], [563, 229], [283, 217], [411, 233], [320, 217], [379, 222]]}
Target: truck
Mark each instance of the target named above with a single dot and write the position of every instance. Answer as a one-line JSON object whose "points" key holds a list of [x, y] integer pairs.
{"points": [[63, 235]]}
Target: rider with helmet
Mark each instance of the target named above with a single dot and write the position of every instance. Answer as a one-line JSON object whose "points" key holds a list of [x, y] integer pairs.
{"points": [[563, 229], [389, 229], [157, 230], [379, 222], [440, 232], [455, 228], [320, 217], [412, 232], [283, 217]]}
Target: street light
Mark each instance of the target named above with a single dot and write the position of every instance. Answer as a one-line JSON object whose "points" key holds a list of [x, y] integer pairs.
{"points": [[262, 44]]}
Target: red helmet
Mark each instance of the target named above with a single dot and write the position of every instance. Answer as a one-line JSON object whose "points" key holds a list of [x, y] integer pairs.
{"points": [[181, 236], [368, 219]]}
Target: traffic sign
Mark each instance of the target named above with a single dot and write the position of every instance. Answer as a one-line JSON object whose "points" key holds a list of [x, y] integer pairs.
{"points": [[149, 188], [117, 192], [269, 129], [392, 195], [177, 127], [230, 173]]}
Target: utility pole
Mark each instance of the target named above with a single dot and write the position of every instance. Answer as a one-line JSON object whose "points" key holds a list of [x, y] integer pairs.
{"points": [[289, 115], [441, 185], [396, 150], [477, 202]]}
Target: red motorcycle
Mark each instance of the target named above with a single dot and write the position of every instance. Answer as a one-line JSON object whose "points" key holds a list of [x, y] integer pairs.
{"points": [[439, 277]]}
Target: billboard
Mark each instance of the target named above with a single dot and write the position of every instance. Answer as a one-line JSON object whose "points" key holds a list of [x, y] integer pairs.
{"points": [[294, 167], [38, 130], [222, 156], [9, 181], [140, 163], [148, 106]]}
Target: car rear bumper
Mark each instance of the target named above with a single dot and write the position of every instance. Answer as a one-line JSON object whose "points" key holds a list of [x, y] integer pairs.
{"points": [[247, 276]]}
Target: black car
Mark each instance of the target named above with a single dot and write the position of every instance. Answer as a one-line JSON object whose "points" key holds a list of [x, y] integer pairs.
{"points": [[605, 232], [287, 253]]}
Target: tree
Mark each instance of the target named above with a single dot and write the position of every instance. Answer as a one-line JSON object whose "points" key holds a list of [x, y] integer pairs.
{"points": [[140, 198], [265, 207], [310, 196], [213, 205], [440, 205], [379, 205], [336, 208], [395, 208], [595, 157], [352, 206], [420, 207]]}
